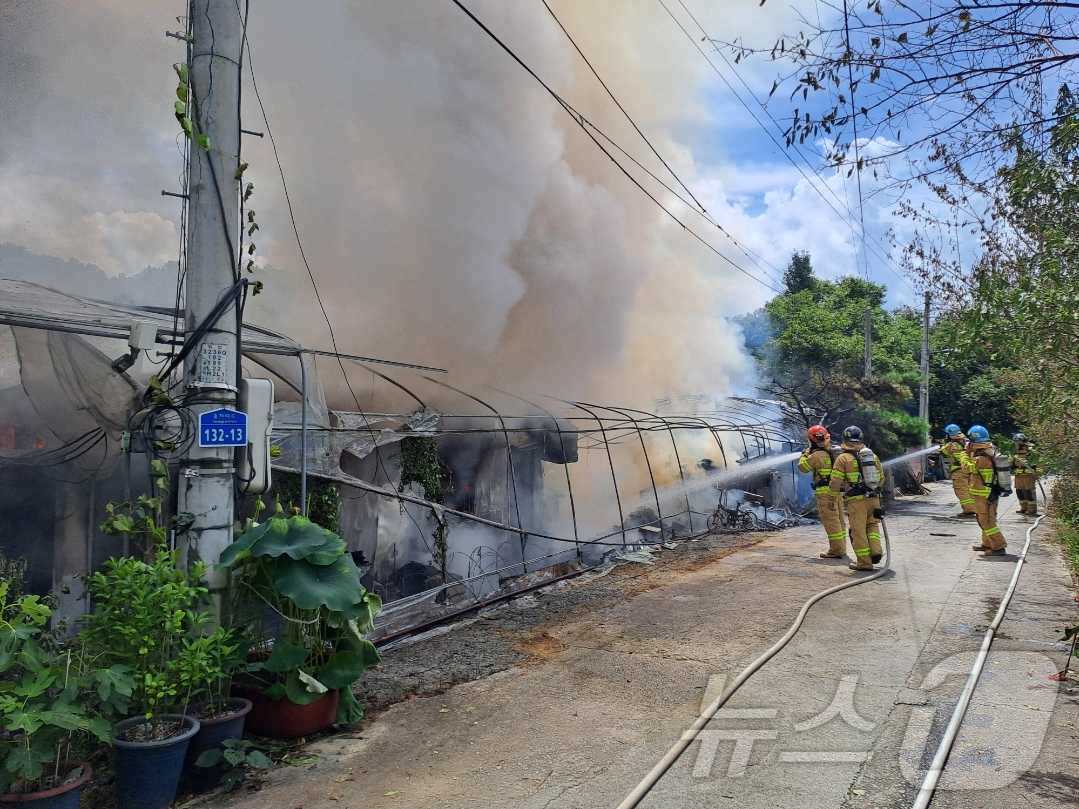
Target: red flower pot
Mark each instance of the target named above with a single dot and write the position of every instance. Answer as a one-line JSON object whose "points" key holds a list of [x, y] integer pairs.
{"points": [[65, 796], [284, 719]]}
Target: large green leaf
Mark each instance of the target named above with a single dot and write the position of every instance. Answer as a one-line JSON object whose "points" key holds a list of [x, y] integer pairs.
{"points": [[336, 587], [298, 691], [342, 669], [285, 656], [275, 531], [349, 709], [27, 762], [296, 537]]}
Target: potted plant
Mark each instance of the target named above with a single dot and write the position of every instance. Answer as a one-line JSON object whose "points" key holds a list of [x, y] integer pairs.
{"points": [[145, 616], [49, 704], [300, 576], [206, 666]]}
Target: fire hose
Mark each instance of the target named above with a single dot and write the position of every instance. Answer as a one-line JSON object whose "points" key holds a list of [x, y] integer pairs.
{"points": [[652, 778], [932, 777], [940, 760]]}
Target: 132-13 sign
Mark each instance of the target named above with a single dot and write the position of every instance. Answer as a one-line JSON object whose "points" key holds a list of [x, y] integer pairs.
{"points": [[223, 428]]}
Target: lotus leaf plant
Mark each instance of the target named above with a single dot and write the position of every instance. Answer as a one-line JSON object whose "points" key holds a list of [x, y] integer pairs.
{"points": [[302, 578]]}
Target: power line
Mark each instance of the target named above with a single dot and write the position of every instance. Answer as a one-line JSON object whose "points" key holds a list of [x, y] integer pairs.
{"points": [[881, 253], [697, 207], [580, 120], [618, 104], [765, 129]]}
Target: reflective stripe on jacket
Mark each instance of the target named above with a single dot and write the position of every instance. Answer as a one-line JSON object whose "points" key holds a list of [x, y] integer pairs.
{"points": [[817, 462]]}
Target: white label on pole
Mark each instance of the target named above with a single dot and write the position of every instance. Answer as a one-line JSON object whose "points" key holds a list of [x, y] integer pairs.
{"points": [[213, 364]]}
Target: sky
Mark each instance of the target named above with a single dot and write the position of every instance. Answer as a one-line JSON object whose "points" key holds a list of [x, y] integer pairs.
{"points": [[453, 214]]}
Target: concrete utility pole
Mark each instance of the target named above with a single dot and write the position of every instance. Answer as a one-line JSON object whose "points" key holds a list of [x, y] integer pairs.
{"points": [[923, 391], [867, 322], [210, 371]]}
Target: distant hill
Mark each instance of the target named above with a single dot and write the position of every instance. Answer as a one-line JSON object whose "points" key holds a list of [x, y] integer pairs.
{"points": [[152, 286]]}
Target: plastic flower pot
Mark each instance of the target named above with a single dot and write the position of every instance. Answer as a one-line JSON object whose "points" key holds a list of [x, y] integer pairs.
{"points": [[284, 719], [65, 796], [212, 733], [148, 773]]}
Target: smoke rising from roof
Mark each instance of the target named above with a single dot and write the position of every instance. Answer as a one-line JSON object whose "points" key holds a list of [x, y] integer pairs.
{"points": [[453, 214]]}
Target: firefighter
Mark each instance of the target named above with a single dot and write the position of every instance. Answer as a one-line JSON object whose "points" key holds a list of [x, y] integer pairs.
{"points": [[1025, 474], [983, 466], [955, 456], [817, 460], [857, 474]]}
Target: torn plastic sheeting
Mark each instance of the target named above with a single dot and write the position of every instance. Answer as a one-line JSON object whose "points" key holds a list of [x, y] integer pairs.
{"points": [[643, 556]]}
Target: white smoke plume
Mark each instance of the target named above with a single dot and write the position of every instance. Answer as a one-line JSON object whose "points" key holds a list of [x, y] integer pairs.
{"points": [[452, 213]]}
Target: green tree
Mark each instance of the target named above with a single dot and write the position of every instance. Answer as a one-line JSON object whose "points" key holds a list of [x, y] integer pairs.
{"points": [[813, 364], [799, 274]]}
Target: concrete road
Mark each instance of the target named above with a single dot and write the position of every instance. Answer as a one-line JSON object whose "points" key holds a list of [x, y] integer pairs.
{"points": [[845, 716]]}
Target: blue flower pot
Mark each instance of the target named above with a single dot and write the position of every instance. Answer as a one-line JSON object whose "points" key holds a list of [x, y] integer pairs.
{"points": [[213, 733], [148, 773], [61, 797]]}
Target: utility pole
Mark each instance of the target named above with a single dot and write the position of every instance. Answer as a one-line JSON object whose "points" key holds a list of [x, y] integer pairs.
{"points": [[923, 391], [211, 368], [867, 322]]}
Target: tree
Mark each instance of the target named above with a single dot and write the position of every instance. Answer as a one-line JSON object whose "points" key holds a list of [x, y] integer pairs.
{"points": [[813, 362], [940, 84], [799, 274]]}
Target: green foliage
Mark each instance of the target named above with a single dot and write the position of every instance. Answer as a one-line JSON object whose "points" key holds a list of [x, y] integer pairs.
{"points": [[799, 273], [323, 498], [236, 757], [1022, 316], [892, 432], [147, 618], [51, 700], [813, 360], [420, 464], [304, 574]]}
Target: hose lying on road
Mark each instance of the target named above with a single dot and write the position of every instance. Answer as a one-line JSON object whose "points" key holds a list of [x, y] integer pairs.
{"points": [[645, 786], [940, 760]]}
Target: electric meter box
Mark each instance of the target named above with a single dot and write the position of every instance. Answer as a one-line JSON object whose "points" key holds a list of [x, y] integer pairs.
{"points": [[256, 400]]}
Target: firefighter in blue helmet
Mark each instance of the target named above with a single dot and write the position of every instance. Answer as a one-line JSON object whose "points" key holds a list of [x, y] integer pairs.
{"points": [[990, 477], [955, 456]]}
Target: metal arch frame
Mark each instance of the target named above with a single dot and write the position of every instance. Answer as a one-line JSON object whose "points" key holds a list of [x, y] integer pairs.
{"points": [[565, 465], [677, 459], [509, 461], [647, 460], [610, 461]]}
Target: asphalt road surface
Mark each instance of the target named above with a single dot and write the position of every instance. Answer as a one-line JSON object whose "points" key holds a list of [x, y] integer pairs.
{"points": [[587, 699]]}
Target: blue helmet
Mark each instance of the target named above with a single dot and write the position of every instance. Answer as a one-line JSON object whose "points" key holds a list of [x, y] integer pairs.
{"points": [[952, 430], [978, 434]]}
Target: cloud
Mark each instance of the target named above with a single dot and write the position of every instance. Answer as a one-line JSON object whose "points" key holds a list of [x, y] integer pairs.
{"points": [[452, 213]]}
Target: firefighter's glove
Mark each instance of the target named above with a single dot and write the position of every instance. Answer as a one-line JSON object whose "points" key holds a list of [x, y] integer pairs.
{"points": [[878, 513]]}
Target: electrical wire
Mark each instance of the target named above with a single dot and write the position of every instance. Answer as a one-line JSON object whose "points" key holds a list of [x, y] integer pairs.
{"points": [[847, 219], [618, 104], [579, 119], [695, 206]]}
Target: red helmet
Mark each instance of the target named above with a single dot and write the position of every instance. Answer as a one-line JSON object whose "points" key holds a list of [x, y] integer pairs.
{"points": [[818, 434]]}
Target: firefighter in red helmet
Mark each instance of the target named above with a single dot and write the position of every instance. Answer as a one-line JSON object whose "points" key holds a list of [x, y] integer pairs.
{"points": [[817, 460]]}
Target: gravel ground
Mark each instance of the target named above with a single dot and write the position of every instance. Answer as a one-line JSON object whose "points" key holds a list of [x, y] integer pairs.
{"points": [[510, 634]]}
